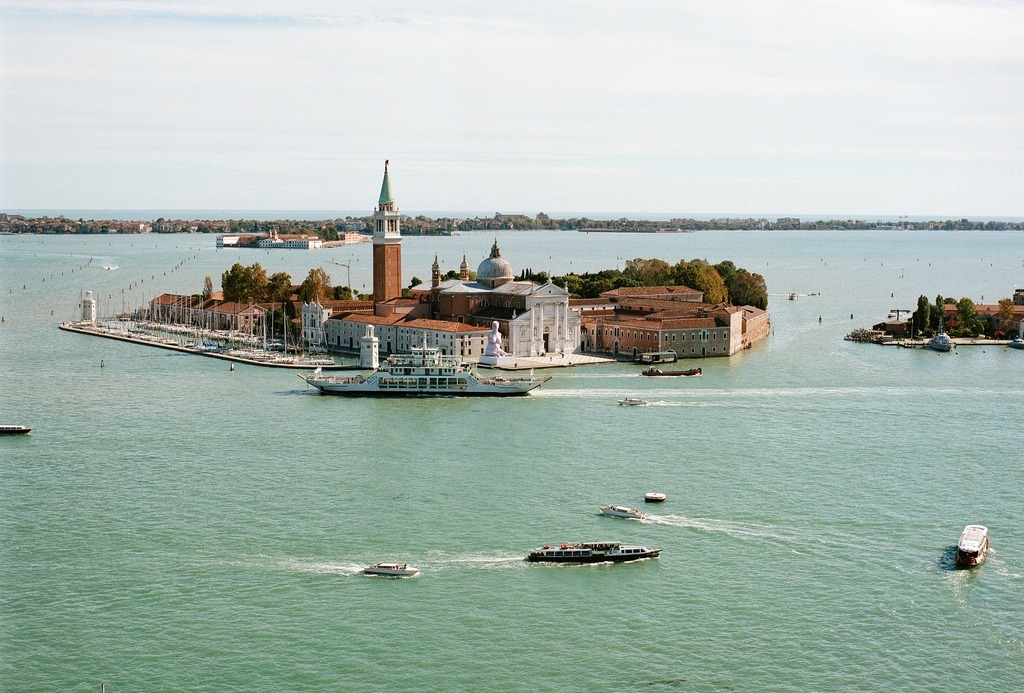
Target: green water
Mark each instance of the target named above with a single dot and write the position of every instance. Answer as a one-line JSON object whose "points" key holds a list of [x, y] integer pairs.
{"points": [[174, 525]]}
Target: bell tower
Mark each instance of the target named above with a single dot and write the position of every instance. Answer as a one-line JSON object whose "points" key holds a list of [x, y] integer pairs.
{"points": [[387, 245]]}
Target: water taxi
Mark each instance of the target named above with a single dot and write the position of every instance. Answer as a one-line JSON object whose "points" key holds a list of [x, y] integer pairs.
{"points": [[424, 372], [972, 547], [621, 511], [391, 570], [591, 552]]}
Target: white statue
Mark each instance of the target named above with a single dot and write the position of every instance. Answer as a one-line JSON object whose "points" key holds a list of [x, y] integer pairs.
{"points": [[494, 342]]}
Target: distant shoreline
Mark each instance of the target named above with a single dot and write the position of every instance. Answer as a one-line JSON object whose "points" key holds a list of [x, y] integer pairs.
{"points": [[332, 228]]}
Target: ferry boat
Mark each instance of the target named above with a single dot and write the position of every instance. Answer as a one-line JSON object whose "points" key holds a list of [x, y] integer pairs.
{"points": [[424, 372], [391, 570], [13, 430], [591, 552], [972, 547], [621, 511]]}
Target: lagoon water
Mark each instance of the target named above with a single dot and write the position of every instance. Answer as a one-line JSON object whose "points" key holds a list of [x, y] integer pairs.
{"points": [[172, 524]]}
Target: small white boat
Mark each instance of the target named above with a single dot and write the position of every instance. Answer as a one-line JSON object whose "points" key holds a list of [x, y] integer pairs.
{"points": [[1016, 344], [654, 497], [633, 402], [621, 511], [972, 547], [391, 570]]}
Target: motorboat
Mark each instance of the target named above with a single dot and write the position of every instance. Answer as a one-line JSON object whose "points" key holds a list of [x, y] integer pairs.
{"points": [[591, 552], [391, 570], [688, 373], [654, 497], [972, 547], [1017, 343], [13, 430], [633, 402], [423, 372], [621, 511]]}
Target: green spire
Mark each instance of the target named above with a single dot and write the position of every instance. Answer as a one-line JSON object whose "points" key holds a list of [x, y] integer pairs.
{"points": [[385, 187]]}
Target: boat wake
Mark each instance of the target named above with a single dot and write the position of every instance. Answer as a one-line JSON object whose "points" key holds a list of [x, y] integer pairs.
{"points": [[740, 530], [322, 567]]}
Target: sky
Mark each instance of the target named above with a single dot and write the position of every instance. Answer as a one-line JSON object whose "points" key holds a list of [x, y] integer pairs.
{"points": [[832, 107]]}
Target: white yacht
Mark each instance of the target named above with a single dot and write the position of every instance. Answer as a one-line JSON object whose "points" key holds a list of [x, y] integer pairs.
{"points": [[621, 511], [424, 372], [391, 570], [941, 341]]}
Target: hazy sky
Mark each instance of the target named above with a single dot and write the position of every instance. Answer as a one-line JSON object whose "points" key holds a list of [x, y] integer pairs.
{"points": [[794, 106]]}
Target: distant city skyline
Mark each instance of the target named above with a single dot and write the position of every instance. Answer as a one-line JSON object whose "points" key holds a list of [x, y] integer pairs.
{"points": [[854, 109]]}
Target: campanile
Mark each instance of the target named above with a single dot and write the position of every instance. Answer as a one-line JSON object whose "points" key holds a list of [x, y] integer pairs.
{"points": [[387, 245]]}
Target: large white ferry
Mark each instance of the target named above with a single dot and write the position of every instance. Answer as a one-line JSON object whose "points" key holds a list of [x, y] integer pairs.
{"points": [[424, 372], [591, 552]]}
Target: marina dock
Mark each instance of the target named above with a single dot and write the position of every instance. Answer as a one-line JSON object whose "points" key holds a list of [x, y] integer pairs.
{"points": [[154, 341]]}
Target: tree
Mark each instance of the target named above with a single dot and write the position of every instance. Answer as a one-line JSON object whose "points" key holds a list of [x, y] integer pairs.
{"points": [[279, 287], [746, 289], [316, 287], [652, 272], [923, 314], [415, 281], [967, 316], [699, 275], [939, 312], [726, 269], [207, 288], [1006, 313]]}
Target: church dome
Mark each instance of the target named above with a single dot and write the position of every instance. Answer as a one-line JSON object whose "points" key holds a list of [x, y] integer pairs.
{"points": [[495, 267]]}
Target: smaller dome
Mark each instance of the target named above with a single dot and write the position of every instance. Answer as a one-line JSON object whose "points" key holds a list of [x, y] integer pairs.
{"points": [[495, 267]]}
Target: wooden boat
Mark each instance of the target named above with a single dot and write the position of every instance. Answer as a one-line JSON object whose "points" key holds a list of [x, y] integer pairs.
{"points": [[972, 547], [657, 371]]}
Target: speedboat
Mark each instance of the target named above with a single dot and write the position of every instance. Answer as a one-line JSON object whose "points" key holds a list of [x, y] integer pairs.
{"points": [[592, 552], [654, 497], [1017, 343], [633, 402], [13, 430], [972, 547], [621, 511], [391, 570]]}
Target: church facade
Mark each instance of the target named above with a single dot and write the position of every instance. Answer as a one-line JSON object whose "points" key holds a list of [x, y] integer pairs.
{"points": [[534, 320]]}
